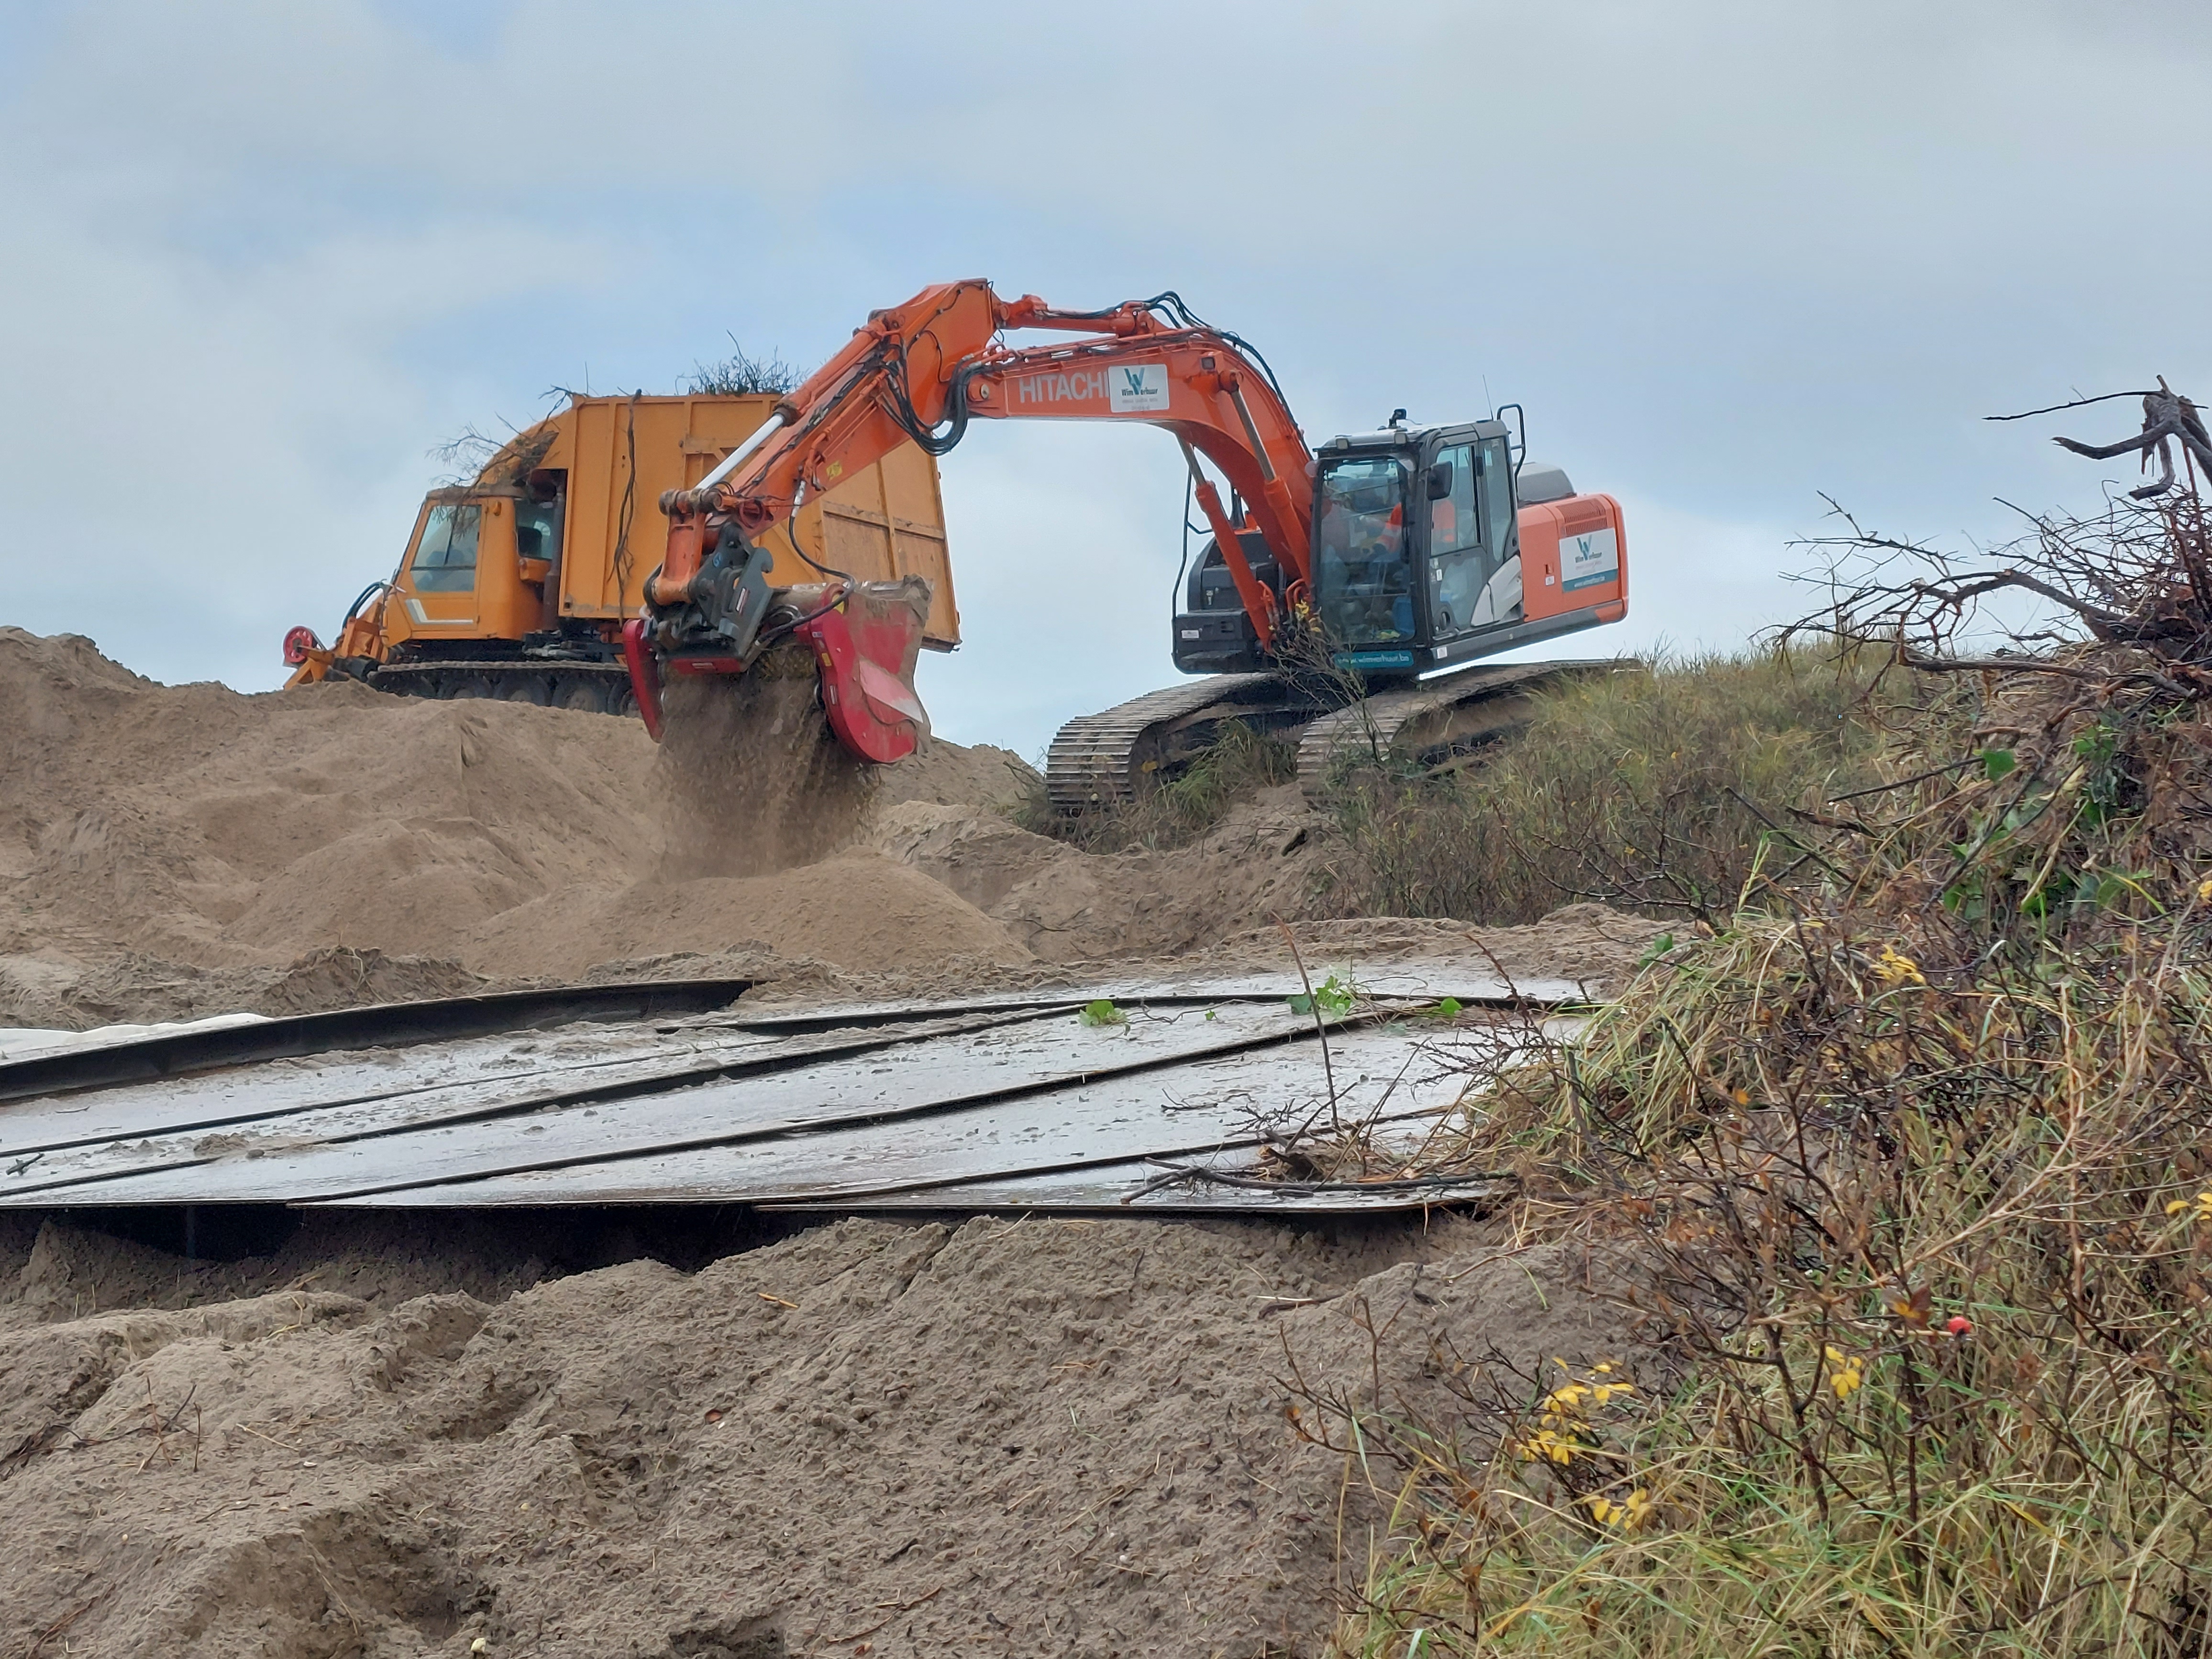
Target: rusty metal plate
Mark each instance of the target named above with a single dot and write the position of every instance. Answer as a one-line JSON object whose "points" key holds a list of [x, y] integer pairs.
{"points": [[45, 1146], [206, 1045], [1155, 1186], [991, 1102]]}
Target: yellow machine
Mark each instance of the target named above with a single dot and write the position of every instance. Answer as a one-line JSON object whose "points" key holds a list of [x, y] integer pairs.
{"points": [[517, 586]]}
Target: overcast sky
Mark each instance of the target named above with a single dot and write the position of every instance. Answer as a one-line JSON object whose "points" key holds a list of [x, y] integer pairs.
{"points": [[258, 259]]}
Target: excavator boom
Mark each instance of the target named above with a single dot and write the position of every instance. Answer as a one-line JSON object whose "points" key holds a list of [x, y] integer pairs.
{"points": [[922, 371]]}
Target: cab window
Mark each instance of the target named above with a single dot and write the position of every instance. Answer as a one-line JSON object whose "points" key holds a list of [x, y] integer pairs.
{"points": [[1459, 560], [446, 557], [1363, 562], [1498, 497], [538, 530], [1452, 521]]}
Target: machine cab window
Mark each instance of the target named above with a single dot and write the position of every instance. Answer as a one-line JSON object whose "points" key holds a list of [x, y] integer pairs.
{"points": [[445, 554], [538, 530], [1459, 564], [1364, 560]]}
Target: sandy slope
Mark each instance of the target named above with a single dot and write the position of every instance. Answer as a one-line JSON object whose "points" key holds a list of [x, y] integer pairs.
{"points": [[173, 851], [146, 827]]}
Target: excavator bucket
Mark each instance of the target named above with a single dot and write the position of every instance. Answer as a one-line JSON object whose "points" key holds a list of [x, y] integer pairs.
{"points": [[865, 642], [865, 651]]}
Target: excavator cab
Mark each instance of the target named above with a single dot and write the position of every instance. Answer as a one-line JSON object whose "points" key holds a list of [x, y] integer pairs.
{"points": [[1420, 538]]}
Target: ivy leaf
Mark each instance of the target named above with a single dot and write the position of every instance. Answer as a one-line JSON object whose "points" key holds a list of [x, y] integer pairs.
{"points": [[1332, 996]]}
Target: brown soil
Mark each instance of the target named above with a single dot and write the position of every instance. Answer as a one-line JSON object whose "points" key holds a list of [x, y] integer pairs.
{"points": [[1057, 1438]]}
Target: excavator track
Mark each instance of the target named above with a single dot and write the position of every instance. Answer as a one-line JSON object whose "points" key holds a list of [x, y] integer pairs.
{"points": [[1430, 724], [1097, 760], [592, 687]]}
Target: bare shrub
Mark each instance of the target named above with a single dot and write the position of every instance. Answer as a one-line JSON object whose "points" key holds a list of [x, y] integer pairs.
{"points": [[743, 375]]}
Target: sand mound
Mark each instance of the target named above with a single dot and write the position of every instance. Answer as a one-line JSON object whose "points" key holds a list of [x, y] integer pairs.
{"points": [[855, 911], [1052, 1438], [168, 851], [150, 830], [1266, 862]]}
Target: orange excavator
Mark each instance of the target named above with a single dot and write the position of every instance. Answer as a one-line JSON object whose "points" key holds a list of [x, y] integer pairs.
{"points": [[1345, 593]]}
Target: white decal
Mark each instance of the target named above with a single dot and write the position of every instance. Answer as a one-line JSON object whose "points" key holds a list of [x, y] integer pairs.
{"points": [[1083, 386], [422, 620], [1137, 388], [1588, 561]]}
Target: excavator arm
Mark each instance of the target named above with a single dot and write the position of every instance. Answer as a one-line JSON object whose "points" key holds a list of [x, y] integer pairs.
{"points": [[920, 372]]}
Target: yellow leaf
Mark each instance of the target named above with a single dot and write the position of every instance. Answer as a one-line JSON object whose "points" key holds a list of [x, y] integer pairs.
{"points": [[1892, 967]]}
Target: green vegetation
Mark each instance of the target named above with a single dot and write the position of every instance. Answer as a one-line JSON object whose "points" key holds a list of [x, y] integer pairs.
{"points": [[1333, 997]]}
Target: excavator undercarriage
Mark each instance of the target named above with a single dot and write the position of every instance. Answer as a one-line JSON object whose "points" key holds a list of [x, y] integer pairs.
{"points": [[1103, 760], [592, 688]]}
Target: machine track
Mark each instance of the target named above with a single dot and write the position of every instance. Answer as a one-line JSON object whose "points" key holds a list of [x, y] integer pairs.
{"points": [[1428, 724], [592, 688], [1097, 760]]}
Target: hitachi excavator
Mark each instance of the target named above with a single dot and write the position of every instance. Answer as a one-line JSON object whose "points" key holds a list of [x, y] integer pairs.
{"points": [[1344, 594]]}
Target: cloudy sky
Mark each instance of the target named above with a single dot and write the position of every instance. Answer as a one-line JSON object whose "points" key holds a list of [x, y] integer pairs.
{"points": [[258, 259]]}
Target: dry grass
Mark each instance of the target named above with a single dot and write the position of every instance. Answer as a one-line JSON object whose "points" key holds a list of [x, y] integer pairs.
{"points": [[1910, 1162], [1237, 764], [1659, 793]]}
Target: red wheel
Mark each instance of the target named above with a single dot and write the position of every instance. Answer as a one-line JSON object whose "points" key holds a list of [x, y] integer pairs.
{"points": [[297, 644]]}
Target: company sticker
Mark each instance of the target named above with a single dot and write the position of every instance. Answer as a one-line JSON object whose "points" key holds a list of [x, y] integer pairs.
{"points": [[1588, 561], [1137, 388]]}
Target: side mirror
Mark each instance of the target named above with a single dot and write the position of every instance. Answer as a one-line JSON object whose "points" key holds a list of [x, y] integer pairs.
{"points": [[1440, 480]]}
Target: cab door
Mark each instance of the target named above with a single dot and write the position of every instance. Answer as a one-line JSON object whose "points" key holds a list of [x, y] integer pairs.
{"points": [[1475, 553], [438, 583]]}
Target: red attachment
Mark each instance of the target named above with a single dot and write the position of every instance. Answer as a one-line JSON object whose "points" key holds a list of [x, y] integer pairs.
{"points": [[644, 675], [866, 654], [297, 644]]}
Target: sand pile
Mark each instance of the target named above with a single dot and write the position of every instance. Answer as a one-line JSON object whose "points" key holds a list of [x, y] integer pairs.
{"points": [[170, 852], [1267, 860], [859, 912], [166, 851], [1038, 1439]]}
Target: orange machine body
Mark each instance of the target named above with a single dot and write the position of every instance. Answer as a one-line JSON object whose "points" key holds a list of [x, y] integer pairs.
{"points": [[1575, 555], [550, 547]]}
